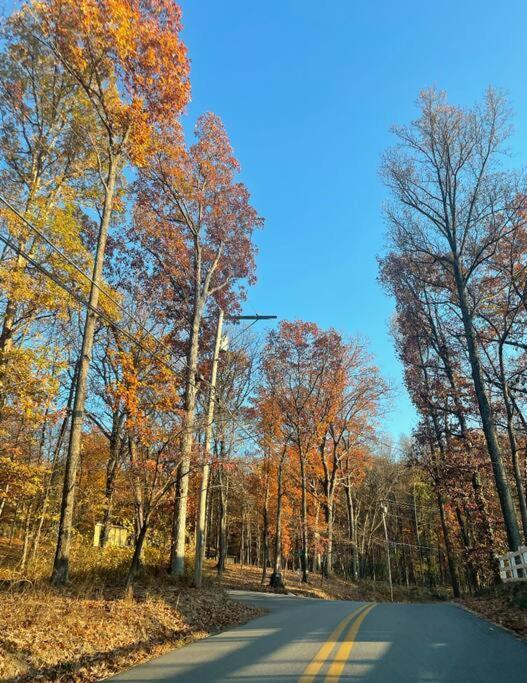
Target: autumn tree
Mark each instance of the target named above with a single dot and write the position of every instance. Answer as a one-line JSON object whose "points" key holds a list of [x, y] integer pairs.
{"points": [[128, 60], [148, 390], [357, 404], [41, 161], [275, 452], [195, 221], [502, 325], [304, 373], [427, 338], [452, 205]]}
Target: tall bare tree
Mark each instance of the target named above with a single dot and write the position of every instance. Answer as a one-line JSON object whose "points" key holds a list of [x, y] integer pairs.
{"points": [[452, 204]]}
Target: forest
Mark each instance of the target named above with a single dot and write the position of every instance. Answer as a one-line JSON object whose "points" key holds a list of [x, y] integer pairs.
{"points": [[146, 427]]}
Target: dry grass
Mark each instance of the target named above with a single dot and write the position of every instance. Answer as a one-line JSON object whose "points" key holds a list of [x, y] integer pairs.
{"points": [[89, 631], [334, 588]]}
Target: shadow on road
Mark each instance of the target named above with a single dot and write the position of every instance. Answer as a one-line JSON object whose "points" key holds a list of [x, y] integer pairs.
{"points": [[396, 643]]}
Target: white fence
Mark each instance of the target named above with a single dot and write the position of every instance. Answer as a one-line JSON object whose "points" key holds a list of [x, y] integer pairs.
{"points": [[513, 565]]}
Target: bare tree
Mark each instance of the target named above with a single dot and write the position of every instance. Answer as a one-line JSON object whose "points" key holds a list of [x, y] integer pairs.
{"points": [[452, 205]]}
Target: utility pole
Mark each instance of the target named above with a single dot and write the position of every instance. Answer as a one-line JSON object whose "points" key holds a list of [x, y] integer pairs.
{"points": [[384, 509], [202, 515], [418, 540]]}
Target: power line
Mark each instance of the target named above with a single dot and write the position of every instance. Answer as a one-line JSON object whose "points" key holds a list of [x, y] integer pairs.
{"points": [[81, 139], [408, 506], [115, 325], [410, 545], [74, 265], [134, 340], [85, 275], [122, 331], [99, 312], [388, 501]]}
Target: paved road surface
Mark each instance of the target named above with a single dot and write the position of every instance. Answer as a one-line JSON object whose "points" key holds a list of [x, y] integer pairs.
{"points": [[315, 640]]}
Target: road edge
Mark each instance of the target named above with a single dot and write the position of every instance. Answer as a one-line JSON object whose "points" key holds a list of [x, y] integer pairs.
{"points": [[510, 631]]}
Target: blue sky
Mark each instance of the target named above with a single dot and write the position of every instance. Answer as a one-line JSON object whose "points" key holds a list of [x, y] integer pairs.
{"points": [[308, 92]]}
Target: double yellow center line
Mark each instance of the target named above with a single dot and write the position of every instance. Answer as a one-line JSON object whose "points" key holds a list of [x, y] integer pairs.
{"points": [[344, 651]]}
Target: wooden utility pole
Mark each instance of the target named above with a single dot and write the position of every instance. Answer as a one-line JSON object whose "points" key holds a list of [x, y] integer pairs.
{"points": [[202, 515], [384, 509], [417, 539]]}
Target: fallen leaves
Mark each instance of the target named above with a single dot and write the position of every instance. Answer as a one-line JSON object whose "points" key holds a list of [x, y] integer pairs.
{"points": [[506, 606], [53, 636]]}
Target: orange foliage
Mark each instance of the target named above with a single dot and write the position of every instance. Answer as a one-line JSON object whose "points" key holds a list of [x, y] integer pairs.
{"points": [[128, 57]]}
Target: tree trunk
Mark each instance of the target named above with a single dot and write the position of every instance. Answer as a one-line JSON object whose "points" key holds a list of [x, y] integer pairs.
{"points": [[454, 577], [489, 430], [472, 573], [211, 525], [352, 534], [6, 338], [62, 555], [222, 550], [4, 498], [452, 566], [139, 502], [27, 537], [136, 562], [116, 445], [177, 564], [480, 500], [249, 543], [8, 325], [513, 443], [304, 536], [242, 538], [416, 529], [487, 526], [202, 513], [265, 532], [316, 562], [328, 565]]}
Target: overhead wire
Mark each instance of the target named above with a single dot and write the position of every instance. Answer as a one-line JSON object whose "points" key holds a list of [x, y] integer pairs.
{"points": [[153, 355], [102, 314], [85, 275], [70, 261], [75, 132]]}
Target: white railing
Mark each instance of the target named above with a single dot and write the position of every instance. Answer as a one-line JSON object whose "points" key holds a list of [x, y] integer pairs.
{"points": [[513, 565]]}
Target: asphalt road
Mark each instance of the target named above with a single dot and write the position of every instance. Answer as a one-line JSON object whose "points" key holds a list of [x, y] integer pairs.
{"points": [[307, 640]]}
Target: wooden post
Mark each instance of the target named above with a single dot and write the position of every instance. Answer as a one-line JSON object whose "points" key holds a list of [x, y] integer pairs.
{"points": [[384, 509], [202, 516]]}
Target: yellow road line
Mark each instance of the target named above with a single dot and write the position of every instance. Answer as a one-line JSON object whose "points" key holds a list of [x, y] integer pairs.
{"points": [[344, 650], [320, 658]]}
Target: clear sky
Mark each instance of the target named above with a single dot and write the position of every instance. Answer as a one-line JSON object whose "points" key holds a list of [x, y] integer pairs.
{"points": [[308, 92]]}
